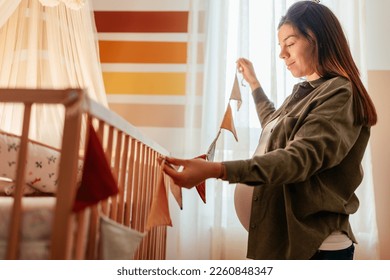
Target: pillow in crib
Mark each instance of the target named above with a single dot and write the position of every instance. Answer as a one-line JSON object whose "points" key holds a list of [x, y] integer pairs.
{"points": [[41, 166], [7, 187]]}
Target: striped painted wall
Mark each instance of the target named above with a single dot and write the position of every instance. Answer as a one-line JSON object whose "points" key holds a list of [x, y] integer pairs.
{"points": [[143, 51]]}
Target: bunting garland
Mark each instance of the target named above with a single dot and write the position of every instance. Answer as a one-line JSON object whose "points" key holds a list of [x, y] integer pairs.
{"points": [[227, 124]]}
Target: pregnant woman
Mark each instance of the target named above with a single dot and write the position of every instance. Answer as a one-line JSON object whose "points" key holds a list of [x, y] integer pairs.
{"points": [[295, 195]]}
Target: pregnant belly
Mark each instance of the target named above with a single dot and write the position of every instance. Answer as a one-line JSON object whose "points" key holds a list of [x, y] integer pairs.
{"points": [[243, 203]]}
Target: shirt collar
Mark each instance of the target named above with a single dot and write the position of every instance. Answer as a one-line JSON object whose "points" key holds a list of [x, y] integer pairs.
{"points": [[316, 83]]}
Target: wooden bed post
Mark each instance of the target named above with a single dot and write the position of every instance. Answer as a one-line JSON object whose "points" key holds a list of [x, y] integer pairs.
{"points": [[62, 234]]}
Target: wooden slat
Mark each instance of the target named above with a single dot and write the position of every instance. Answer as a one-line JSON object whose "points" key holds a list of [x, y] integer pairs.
{"points": [[62, 226], [116, 172], [13, 237], [91, 253], [80, 239], [122, 179], [130, 185], [136, 190]]}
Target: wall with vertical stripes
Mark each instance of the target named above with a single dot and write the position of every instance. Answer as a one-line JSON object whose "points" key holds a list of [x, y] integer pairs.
{"points": [[143, 51]]}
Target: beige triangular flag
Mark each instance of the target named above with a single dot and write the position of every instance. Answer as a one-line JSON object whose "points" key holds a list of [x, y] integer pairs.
{"points": [[175, 189], [236, 93], [227, 122], [211, 150], [176, 192]]}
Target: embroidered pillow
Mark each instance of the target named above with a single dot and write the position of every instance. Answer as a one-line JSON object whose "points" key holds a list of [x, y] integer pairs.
{"points": [[41, 166]]}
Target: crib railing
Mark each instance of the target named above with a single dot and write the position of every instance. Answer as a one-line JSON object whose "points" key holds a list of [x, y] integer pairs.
{"points": [[133, 160]]}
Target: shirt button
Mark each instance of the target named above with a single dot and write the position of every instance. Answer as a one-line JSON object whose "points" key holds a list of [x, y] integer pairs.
{"points": [[253, 226], [255, 198]]}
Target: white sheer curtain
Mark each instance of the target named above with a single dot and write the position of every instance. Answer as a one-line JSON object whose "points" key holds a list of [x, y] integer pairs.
{"points": [[47, 44], [233, 29]]}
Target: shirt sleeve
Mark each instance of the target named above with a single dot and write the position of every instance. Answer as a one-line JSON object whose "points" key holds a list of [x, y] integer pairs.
{"points": [[264, 107]]}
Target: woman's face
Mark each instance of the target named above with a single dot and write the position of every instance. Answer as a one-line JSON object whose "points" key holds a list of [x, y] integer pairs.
{"points": [[297, 53]]}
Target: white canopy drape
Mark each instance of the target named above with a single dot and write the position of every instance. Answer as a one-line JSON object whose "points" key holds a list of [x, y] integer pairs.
{"points": [[47, 44]]}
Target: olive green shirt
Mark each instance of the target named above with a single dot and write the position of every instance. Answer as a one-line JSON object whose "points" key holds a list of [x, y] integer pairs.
{"points": [[305, 181]]}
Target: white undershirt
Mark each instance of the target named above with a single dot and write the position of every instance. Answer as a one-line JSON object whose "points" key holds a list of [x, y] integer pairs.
{"points": [[337, 240]]}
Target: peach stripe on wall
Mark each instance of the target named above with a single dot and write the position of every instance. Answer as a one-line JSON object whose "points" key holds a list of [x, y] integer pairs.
{"points": [[141, 115], [145, 83], [141, 21], [142, 52]]}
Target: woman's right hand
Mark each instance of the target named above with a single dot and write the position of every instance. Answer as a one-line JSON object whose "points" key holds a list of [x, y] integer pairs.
{"points": [[245, 67], [195, 171]]}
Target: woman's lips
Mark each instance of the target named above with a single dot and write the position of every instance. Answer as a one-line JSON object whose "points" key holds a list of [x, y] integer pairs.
{"points": [[289, 65]]}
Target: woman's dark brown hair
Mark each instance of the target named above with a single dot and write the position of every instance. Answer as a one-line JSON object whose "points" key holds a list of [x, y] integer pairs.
{"points": [[333, 52]]}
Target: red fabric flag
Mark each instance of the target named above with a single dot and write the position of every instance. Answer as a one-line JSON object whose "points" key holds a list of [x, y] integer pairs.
{"points": [[201, 188], [98, 182], [159, 212]]}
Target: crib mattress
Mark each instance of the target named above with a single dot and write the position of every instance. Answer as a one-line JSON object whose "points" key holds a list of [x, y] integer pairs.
{"points": [[37, 214]]}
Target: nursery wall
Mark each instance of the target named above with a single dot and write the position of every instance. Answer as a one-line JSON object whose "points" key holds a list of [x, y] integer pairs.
{"points": [[143, 51]]}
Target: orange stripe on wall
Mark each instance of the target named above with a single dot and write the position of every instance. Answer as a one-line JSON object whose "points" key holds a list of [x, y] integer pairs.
{"points": [[145, 83], [133, 21], [151, 115], [142, 52]]}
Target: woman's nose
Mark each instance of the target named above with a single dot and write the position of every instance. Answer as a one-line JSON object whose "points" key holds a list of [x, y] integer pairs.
{"points": [[283, 53]]}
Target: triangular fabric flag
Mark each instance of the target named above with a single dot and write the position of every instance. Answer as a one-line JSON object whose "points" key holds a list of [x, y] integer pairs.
{"points": [[227, 122], [97, 182], [211, 150], [159, 212], [236, 93], [176, 192], [117, 242], [201, 188]]}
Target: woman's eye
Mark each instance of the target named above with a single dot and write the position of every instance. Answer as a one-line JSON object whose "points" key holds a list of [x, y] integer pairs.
{"points": [[290, 45]]}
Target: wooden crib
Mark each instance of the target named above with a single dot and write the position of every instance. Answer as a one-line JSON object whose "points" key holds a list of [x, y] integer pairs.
{"points": [[133, 159]]}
